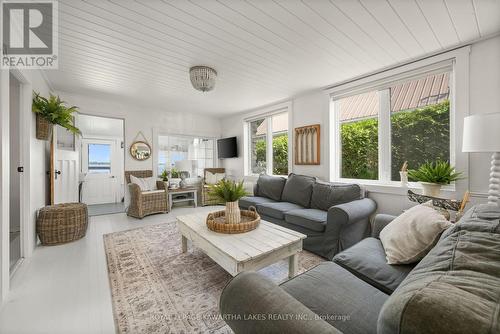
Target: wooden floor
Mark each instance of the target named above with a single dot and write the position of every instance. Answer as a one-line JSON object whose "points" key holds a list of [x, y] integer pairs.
{"points": [[65, 289]]}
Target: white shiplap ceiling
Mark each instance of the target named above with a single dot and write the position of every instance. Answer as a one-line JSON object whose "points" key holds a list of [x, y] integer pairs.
{"points": [[263, 50]]}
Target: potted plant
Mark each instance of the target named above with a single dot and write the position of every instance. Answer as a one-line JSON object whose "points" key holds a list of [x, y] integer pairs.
{"points": [[229, 192], [52, 111], [164, 176], [175, 177], [432, 175]]}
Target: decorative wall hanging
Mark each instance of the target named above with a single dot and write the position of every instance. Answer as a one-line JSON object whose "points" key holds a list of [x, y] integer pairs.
{"points": [[140, 149], [307, 145]]}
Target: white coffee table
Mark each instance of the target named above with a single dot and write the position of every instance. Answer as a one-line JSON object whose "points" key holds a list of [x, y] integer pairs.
{"points": [[250, 251]]}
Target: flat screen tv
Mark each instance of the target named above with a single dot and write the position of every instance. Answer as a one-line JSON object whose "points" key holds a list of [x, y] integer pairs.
{"points": [[227, 148]]}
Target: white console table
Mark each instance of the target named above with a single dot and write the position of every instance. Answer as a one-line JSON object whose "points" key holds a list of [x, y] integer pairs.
{"points": [[182, 195]]}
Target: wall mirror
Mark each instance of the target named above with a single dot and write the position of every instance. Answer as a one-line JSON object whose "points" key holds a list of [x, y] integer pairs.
{"points": [[140, 150]]}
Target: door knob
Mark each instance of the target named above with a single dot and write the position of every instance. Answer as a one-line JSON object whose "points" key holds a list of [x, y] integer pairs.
{"points": [[57, 172]]}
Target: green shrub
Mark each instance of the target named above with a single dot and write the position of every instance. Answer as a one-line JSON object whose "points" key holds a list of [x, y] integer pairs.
{"points": [[416, 136], [280, 153]]}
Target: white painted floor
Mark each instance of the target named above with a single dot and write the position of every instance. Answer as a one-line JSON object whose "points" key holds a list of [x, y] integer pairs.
{"points": [[65, 289]]}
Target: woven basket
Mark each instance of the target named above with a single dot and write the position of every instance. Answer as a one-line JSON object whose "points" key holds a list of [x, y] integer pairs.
{"points": [[43, 128], [62, 223], [250, 219]]}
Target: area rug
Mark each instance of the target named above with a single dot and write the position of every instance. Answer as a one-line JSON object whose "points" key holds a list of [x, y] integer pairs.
{"points": [[158, 289]]}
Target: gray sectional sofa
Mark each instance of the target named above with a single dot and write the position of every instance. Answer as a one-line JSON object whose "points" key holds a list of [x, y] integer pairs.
{"points": [[454, 289], [334, 216]]}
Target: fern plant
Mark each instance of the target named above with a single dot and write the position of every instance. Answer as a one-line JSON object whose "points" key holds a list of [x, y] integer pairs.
{"points": [[55, 111], [439, 172], [227, 191]]}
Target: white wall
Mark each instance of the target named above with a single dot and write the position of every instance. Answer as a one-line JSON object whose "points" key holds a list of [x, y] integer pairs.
{"points": [[313, 108], [144, 119]]}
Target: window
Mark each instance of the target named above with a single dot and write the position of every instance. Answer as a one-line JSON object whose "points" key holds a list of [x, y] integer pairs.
{"points": [[99, 158], [359, 136], [402, 121], [268, 145], [191, 154], [420, 122]]}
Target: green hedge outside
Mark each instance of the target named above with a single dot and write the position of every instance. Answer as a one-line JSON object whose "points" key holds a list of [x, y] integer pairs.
{"points": [[416, 136], [280, 153]]}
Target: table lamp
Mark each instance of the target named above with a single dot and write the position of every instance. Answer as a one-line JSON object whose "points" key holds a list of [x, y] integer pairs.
{"points": [[482, 134]]}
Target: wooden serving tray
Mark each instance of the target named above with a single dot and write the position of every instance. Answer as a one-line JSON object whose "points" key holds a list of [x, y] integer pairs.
{"points": [[250, 219]]}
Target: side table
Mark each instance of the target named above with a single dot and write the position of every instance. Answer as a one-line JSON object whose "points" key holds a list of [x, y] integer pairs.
{"points": [[183, 195]]}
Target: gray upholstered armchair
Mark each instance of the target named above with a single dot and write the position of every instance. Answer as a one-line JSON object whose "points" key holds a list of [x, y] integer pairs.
{"points": [[143, 203]]}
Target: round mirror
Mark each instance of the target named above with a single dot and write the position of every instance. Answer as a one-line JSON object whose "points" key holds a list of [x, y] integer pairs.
{"points": [[140, 150]]}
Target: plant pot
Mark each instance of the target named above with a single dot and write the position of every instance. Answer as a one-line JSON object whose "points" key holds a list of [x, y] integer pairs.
{"points": [[43, 128], [233, 214], [431, 189]]}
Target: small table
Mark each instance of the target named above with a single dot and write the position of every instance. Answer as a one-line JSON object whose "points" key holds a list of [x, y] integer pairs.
{"points": [[254, 250], [191, 195]]}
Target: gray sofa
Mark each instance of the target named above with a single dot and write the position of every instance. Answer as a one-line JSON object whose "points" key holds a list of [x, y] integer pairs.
{"points": [[454, 289], [334, 216]]}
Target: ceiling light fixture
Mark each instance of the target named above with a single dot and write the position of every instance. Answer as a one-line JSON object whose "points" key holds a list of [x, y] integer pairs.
{"points": [[202, 78]]}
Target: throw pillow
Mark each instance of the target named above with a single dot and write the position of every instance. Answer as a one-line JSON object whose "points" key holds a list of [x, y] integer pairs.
{"points": [[410, 236], [145, 183], [248, 188], [219, 177], [210, 178]]}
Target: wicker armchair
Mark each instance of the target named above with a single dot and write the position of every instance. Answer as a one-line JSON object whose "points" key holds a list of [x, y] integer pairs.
{"points": [[147, 202], [205, 190]]}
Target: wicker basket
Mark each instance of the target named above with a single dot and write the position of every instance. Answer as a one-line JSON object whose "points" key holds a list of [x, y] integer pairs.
{"points": [[250, 219], [43, 128], [62, 223]]}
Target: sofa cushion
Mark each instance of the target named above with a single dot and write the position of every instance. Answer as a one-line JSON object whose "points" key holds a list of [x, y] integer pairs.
{"points": [[346, 302], [248, 201], [298, 189], [325, 195], [276, 210], [366, 260], [456, 285], [311, 219], [270, 186]]}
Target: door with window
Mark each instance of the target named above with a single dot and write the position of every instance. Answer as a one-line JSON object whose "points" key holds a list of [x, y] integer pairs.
{"points": [[99, 177]]}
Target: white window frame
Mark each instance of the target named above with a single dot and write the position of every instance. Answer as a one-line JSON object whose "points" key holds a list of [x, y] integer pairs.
{"points": [[268, 113], [457, 62], [156, 152]]}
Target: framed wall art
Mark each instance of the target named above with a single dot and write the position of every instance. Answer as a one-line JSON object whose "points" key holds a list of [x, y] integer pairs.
{"points": [[307, 145]]}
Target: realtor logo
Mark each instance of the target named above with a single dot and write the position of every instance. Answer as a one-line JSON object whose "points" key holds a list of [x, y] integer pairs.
{"points": [[29, 35]]}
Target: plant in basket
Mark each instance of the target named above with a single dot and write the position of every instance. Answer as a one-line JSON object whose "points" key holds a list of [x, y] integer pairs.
{"points": [[229, 192]]}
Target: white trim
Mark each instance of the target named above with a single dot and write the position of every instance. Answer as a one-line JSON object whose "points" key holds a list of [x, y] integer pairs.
{"points": [[4, 184], [268, 110], [384, 135], [458, 62], [431, 63], [27, 230]]}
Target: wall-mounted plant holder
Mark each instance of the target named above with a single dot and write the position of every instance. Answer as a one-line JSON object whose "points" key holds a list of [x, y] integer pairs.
{"points": [[307, 145], [43, 128]]}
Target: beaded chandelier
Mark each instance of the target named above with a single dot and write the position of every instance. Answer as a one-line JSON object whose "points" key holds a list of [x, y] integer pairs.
{"points": [[202, 78]]}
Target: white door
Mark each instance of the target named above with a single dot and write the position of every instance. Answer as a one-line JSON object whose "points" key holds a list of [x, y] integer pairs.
{"points": [[66, 176], [100, 182]]}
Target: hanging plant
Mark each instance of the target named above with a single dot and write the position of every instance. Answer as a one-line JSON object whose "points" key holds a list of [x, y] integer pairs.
{"points": [[52, 111]]}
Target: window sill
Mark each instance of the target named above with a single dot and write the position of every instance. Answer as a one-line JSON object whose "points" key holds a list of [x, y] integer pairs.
{"points": [[395, 188]]}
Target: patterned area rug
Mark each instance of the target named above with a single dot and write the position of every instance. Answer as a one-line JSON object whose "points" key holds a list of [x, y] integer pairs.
{"points": [[158, 289]]}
